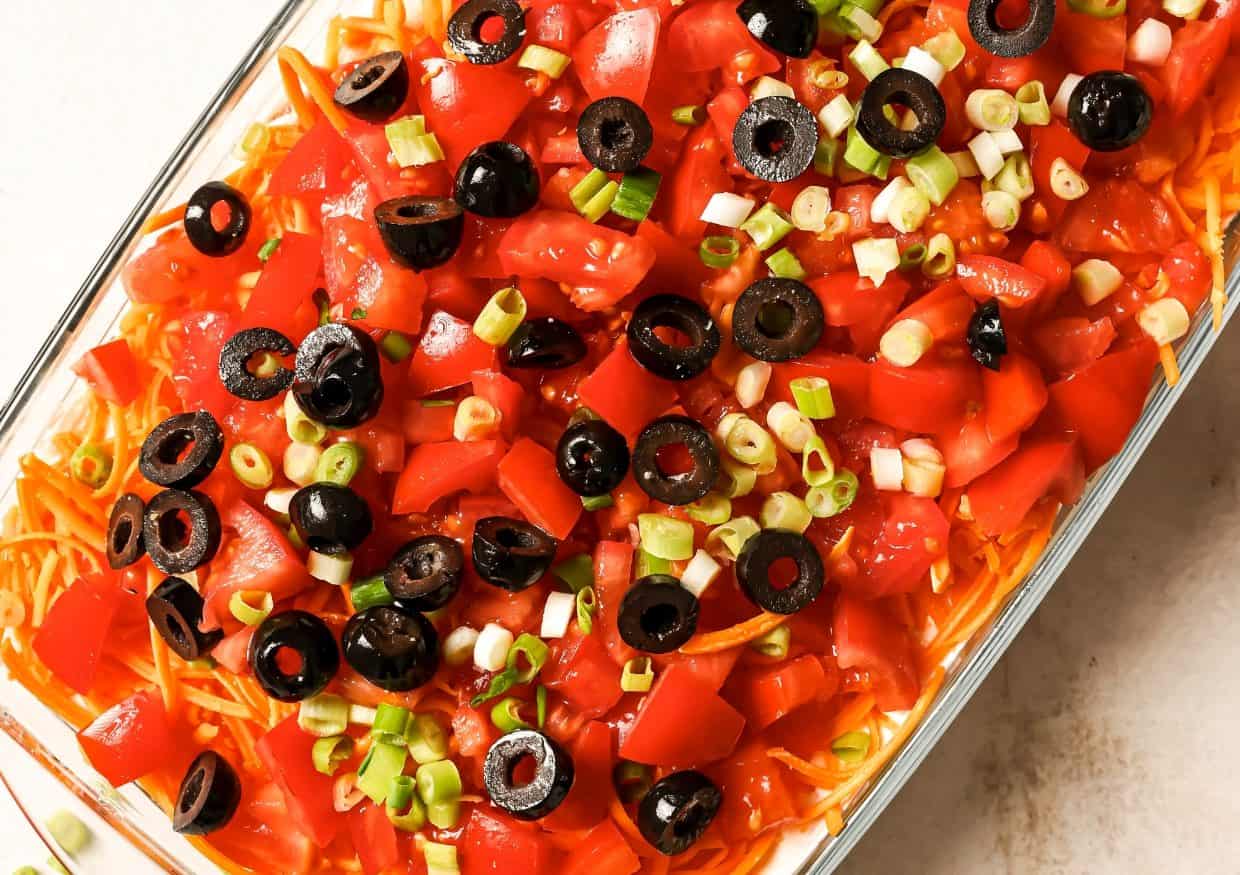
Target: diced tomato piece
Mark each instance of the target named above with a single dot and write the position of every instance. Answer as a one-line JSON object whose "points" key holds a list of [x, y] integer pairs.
{"points": [[1047, 261], [869, 640], [111, 371], [283, 297], [504, 394], [675, 265], [914, 532], [624, 394], [592, 790], [613, 574], [1190, 275], [615, 59], [725, 111], [494, 844], [848, 299], [985, 277], [712, 669], [313, 168], [699, 174], [1092, 44], [286, 753], [434, 470], [1014, 396], [233, 652], [848, 375], [256, 556], [1073, 342], [969, 451], [467, 104], [764, 695], [427, 423], [196, 372], [709, 35], [71, 640], [1197, 49], [1001, 499], [173, 269], [527, 475], [374, 838], [1094, 225], [1046, 143], [603, 851], [448, 355], [945, 310], [129, 740], [581, 671], [678, 700], [926, 397]]}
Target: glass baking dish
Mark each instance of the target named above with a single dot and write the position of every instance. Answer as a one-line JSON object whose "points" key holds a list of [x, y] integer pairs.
{"points": [[48, 388]]}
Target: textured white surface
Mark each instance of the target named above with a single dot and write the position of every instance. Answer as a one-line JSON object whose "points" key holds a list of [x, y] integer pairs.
{"points": [[1104, 743]]}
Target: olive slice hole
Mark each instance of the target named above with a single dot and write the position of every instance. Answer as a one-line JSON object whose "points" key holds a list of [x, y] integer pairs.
{"points": [[489, 28], [673, 460], [121, 535], [782, 573], [290, 661], [176, 447], [772, 137], [617, 134], [175, 530], [368, 78], [221, 216], [775, 319], [522, 771], [659, 620]]}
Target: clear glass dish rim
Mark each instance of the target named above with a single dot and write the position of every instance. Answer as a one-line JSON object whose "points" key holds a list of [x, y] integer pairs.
{"points": [[962, 681]]}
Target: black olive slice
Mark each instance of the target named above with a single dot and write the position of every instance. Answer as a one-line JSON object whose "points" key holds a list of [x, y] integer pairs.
{"points": [[904, 88], [546, 344], [175, 609], [337, 378], [987, 340], [200, 227], [790, 27], [777, 320], [543, 793], [209, 795], [395, 650], [293, 656], [182, 450], [497, 181], [615, 134], [592, 458], [1109, 110], [511, 554], [420, 232], [775, 139], [676, 811], [657, 614], [125, 545], [465, 30], [761, 552], [425, 574], [376, 88], [673, 361], [683, 487], [1013, 42], [235, 360], [181, 530], [330, 518]]}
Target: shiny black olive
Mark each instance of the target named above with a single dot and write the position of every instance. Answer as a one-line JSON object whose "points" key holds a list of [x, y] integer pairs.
{"points": [[790, 27], [497, 181], [1109, 110], [466, 25], [775, 139], [395, 650], [182, 450], [546, 344], [1013, 42], [376, 88], [904, 88], [777, 320], [125, 545], [330, 518], [592, 458], [511, 554], [337, 379], [677, 810], [425, 574], [420, 232], [987, 340], [237, 354], [175, 609], [615, 134], [673, 361], [764, 550], [543, 793], [657, 614], [209, 795], [181, 530], [293, 656], [681, 487], [200, 228]]}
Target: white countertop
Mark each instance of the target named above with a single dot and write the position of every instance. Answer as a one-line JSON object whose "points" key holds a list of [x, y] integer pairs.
{"points": [[1102, 744]]}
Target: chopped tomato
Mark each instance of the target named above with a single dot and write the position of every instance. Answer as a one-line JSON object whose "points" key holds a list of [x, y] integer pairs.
{"points": [[195, 373], [869, 640], [615, 59], [111, 371], [603, 851], [914, 532], [1197, 49], [592, 790], [709, 35], [283, 297], [255, 556], [504, 395], [946, 310], [129, 740], [985, 277], [969, 451], [1047, 261], [374, 838], [448, 355], [848, 375], [435, 470], [495, 844], [314, 168], [926, 397], [678, 700], [847, 299], [724, 111], [624, 394], [754, 793], [766, 694], [613, 574], [1001, 499], [424, 423], [712, 669], [527, 475], [233, 652], [699, 175], [1046, 143], [581, 671], [1093, 224], [1092, 44], [467, 104], [1072, 342], [1014, 396], [1189, 273], [173, 269], [286, 753], [71, 640]]}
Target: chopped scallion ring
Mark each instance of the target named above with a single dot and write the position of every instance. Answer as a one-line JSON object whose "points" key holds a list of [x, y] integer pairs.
{"points": [[834, 497], [751, 383], [577, 572], [426, 738], [727, 541], [506, 715], [700, 573], [768, 226], [783, 510], [909, 210], [300, 427], [250, 607], [713, 509], [395, 346], [719, 251], [786, 265], [933, 173], [774, 644], [323, 715], [638, 675], [68, 831], [991, 109], [635, 197], [689, 115], [821, 473], [501, 316], [727, 209], [793, 429], [268, 249], [946, 48], [335, 569], [665, 537], [851, 747], [370, 593], [837, 115], [810, 208], [439, 782], [1032, 105], [544, 60], [596, 502], [440, 859], [329, 754], [735, 479], [940, 260], [750, 444], [587, 604], [1066, 182], [813, 397], [1001, 210], [339, 463]]}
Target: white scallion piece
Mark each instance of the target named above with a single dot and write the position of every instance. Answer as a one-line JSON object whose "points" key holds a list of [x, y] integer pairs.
{"points": [[1096, 279], [836, 116], [727, 209], [700, 573], [986, 154], [491, 648], [559, 611], [751, 383], [793, 430], [334, 569], [887, 469], [876, 257], [924, 469], [1059, 106], [1166, 320], [278, 500], [904, 343], [810, 208], [966, 165], [458, 647], [768, 86], [1150, 43], [881, 204], [1007, 141], [920, 61]]}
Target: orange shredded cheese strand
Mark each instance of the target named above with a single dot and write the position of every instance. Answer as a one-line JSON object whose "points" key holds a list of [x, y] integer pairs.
{"points": [[734, 636]]}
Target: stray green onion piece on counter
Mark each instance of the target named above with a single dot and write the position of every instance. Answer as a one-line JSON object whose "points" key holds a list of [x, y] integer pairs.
{"points": [[68, 831]]}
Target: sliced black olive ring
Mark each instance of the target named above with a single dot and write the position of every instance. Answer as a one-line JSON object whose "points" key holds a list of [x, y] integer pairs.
{"points": [[209, 795], [175, 545], [775, 139], [182, 450], [592, 458], [293, 656], [905, 88], [761, 552], [676, 811], [987, 339], [546, 344], [1013, 42], [200, 227], [682, 487], [790, 27], [497, 181], [235, 361], [1109, 110], [553, 774], [511, 554], [337, 378], [615, 134], [425, 574], [657, 614], [420, 232], [673, 361], [467, 23], [330, 518], [777, 320], [125, 546], [376, 88], [175, 609], [395, 650]]}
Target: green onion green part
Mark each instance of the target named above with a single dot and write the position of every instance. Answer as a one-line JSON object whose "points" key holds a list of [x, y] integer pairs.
{"points": [[689, 115], [820, 474], [648, 564], [251, 607], [540, 705], [719, 251], [851, 747], [544, 60], [251, 466], [395, 346], [268, 249], [712, 509], [339, 463], [500, 317], [506, 716], [383, 762], [786, 265], [774, 643], [440, 859], [587, 604], [427, 740], [596, 502], [636, 194], [664, 536], [329, 754], [323, 715], [439, 782], [370, 593], [933, 173], [833, 497], [768, 226], [391, 723], [813, 397], [638, 675]]}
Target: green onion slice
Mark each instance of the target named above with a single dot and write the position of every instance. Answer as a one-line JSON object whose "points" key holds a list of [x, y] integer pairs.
{"points": [[427, 740], [665, 537], [395, 346], [820, 474], [587, 604], [439, 782], [638, 675], [719, 251], [506, 715], [851, 747], [577, 572], [382, 763], [323, 715], [251, 607], [775, 643], [329, 754], [689, 115], [833, 497], [69, 832], [370, 593], [500, 317], [268, 249], [813, 397], [390, 724], [339, 463], [596, 502], [540, 705], [636, 194]]}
